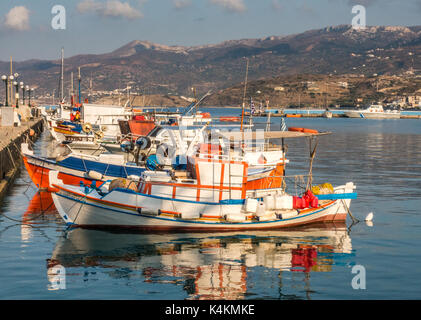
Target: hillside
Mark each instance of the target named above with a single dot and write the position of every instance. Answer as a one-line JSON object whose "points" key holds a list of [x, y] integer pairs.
{"points": [[154, 68]]}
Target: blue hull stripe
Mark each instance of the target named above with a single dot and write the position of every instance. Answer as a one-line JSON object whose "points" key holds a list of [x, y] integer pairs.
{"points": [[111, 170]]}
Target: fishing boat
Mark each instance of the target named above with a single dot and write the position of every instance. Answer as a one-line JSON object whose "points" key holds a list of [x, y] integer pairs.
{"points": [[75, 168], [214, 192], [161, 148], [327, 114], [374, 111]]}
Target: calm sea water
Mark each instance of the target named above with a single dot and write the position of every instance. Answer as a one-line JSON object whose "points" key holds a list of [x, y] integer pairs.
{"points": [[383, 159]]}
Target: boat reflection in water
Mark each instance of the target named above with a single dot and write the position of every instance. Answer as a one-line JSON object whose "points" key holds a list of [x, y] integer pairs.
{"points": [[40, 208], [207, 265]]}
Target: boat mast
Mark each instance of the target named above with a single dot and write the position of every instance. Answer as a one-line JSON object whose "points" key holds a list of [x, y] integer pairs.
{"points": [[78, 77], [71, 89], [62, 76], [244, 94]]}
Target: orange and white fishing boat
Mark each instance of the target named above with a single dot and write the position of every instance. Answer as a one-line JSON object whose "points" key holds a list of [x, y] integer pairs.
{"points": [[215, 191]]}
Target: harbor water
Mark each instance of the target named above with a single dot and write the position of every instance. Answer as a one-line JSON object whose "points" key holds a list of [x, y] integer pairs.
{"points": [[40, 259]]}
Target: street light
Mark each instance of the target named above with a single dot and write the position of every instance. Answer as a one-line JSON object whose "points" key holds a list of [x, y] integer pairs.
{"points": [[10, 85], [27, 90], [4, 78], [30, 91], [23, 91], [16, 84]]}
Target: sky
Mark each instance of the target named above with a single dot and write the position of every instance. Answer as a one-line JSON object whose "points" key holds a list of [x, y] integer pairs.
{"points": [[101, 26]]}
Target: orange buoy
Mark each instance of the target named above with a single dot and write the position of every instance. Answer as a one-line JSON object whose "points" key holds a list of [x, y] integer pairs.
{"points": [[304, 130], [229, 119], [295, 129]]}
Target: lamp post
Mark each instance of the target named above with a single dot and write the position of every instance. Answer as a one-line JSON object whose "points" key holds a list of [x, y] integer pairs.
{"points": [[23, 92], [29, 92], [4, 78], [16, 84], [16, 76], [10, 86]]}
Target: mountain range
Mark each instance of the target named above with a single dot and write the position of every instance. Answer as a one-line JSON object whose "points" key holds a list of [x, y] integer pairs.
{"points": [[153, 68]]}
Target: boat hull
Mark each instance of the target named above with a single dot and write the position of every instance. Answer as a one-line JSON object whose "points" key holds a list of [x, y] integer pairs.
{"points": [[372, 115], [75, 171], [147, 212]]}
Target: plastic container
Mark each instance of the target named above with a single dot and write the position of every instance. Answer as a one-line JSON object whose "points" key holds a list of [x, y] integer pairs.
{"points": [[283, 202], [251, 205], [269, 202], [261, 209]]}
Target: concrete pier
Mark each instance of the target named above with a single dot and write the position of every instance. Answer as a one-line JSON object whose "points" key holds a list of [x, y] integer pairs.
{"points": [[10, 155]]}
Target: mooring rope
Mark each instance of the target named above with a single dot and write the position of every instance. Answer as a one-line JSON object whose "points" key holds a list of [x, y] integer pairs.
{"points": [[21, 221]]}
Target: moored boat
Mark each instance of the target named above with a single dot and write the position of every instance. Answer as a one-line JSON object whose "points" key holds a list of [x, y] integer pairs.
{"points": [[211, 193], [74, 168], [374, 111], [126, 208]]}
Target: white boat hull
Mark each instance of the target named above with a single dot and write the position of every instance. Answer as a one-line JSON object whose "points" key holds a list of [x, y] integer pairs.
{"points": [[373, 115], [124, 209]]}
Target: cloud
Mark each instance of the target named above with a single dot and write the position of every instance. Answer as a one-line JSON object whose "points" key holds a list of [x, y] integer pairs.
{"points": [[111, 8], [231, 5], [17, 19], [276, 5], [365, 3], [181, 4]]}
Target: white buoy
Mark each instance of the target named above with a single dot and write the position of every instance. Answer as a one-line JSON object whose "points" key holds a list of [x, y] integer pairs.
{"points": [[369, 217]]}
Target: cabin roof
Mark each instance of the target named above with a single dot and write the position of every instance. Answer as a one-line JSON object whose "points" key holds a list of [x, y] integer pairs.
{"points": [[238, 135]]}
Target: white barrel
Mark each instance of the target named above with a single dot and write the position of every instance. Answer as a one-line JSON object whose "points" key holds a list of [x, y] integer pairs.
{"points": [[251, 205], [283, 202], [261, 209], [269, 201]]}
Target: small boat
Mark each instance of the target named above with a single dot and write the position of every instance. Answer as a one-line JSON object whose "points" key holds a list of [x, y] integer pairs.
{"points": [[76, 168], [213, 192], [327, 114], [374, 111], [229, 119], [150, 152], [293, 115], [84, 144]]}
